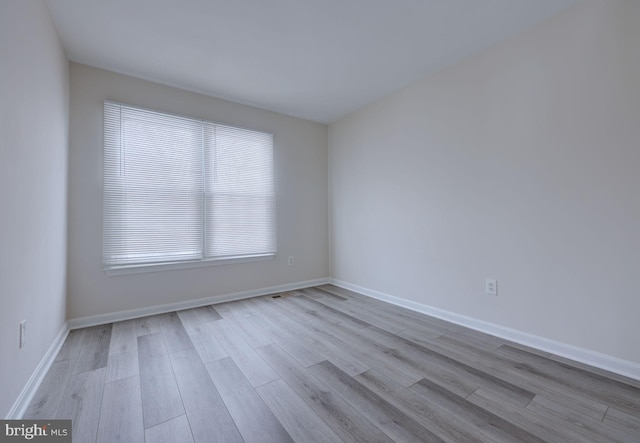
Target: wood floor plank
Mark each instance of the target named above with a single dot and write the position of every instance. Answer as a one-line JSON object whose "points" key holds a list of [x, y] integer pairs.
{"points": [[345, 360], [419, 335], [171, 431], [94, 351], [195, 317], [401, 317], [122, 365], [592, 369], [476, 338], [411, 319], [324, 364], [611, 392], [449, 372], [524, 418], [356, 312], [161, 399], [208, 313], [337, 290], [395, 423], [82, 402], [123, 351], [206, 344], [319, 313], [123, 337], [430, 414], [249, 332], [234, 309], [627, 422], [207, 414], [343, 418], [589, 428], [488, 423], [468, 347], [310, 292], [337, 314], [397, 312], [190, 319], [372, 355], [529, 349], [323, 348], [121, 412], [148, 325], [418, 320], [516, 374], [300, 421], [327, 291], [175, 336], [72, 344], [46, 401], [254, 419], [289, 342], [257, 371], [318, 317]]}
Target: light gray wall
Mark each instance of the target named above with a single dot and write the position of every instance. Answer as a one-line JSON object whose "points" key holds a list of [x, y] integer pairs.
{"points": [[34, 121], [301, 181], [521, 164]]}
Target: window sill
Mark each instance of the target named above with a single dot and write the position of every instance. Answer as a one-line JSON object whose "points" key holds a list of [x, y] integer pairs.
{"points": [[158, 267]]}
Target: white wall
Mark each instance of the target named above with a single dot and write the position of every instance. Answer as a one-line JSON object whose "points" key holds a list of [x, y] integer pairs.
{"points": [[520, 163], [34, 121], [301, 181]]}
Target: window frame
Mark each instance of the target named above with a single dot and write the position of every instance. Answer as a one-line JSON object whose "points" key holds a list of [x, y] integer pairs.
{"points": [[135, 268]]}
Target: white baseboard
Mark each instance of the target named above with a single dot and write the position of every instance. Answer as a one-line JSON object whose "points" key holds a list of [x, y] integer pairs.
{"points": [[22, 402], [101, 319], [586, 356], [599, 360]]}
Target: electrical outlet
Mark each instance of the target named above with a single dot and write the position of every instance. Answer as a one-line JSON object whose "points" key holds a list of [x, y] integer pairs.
{"points": [[291, 260], [491, 286], [23, 333]]}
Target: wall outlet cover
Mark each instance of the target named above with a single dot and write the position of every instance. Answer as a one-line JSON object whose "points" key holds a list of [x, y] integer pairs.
{"points": [[23, 333], [491, 286]]}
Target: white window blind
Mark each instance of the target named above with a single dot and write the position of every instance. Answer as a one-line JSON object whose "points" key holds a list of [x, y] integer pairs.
{"points": [[179, 189]]}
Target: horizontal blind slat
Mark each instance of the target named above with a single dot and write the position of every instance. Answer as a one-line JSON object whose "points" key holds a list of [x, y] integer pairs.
{"points": [[161, 203], [153, 187]]}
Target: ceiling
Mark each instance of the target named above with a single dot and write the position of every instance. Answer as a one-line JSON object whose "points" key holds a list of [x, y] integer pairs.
{"points": [[315, 59]]}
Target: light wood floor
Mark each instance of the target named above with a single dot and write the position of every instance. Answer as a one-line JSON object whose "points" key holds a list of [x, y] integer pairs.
{"points": [[323, 365]]}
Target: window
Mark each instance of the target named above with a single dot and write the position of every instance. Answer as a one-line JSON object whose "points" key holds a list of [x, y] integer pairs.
{"points": [[183, 190]]}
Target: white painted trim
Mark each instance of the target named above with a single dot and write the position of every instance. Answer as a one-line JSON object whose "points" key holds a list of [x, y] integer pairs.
{"points": [[161, 267], [22, 402], [582, 355], [94, 320]]}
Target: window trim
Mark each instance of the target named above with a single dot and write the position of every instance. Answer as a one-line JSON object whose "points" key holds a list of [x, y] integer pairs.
{"points": [[138, 268], [187, 264]]}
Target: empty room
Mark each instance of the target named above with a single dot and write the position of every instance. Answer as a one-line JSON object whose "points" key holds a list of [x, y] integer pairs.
{"points": [[320, 220]]}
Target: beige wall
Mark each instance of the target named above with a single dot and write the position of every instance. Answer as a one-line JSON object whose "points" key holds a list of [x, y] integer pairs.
{"points": [[301, 181], [520, 164], [34, 121]]}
